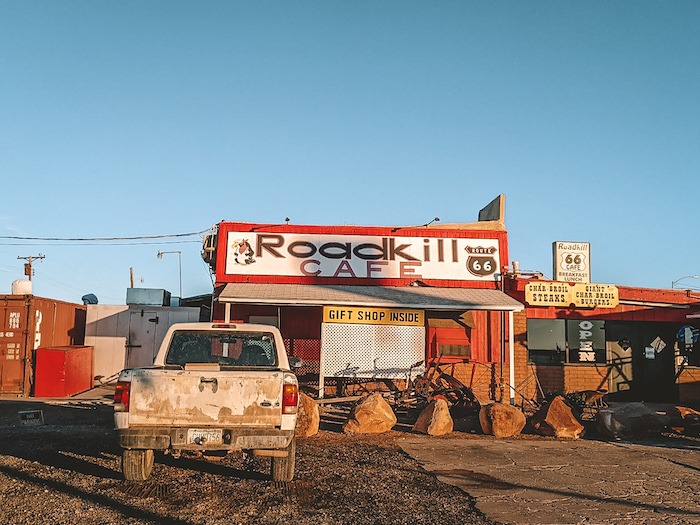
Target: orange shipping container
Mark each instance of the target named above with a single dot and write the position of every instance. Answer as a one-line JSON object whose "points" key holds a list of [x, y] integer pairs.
{"points": [[28, 322]]}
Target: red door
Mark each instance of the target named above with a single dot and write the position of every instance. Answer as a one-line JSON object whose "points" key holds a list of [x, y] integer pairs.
{"points": [[13, 333]]}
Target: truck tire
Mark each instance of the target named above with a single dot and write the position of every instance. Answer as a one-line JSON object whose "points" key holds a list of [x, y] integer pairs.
{"points": [[137, 464], [282, 469]]}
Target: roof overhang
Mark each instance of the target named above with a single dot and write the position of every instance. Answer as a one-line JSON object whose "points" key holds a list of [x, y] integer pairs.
{"points": [[417, 297], [655, 304]]}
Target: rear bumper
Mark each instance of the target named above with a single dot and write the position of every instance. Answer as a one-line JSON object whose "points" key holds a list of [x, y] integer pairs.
{"points": [[175, 438]]}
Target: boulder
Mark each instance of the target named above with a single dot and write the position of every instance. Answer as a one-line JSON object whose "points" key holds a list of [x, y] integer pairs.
{"points": [[501, 420], [308, 416], [557, 419], [627, 420], [372, 415], [435, 419]]}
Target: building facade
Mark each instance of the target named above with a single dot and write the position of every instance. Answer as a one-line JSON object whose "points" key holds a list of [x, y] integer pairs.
{"points": [[636, 344], [367, 303]]}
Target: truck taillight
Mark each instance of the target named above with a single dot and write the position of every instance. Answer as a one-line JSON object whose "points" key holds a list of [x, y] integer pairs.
{"points": [[121, 396], [290, 398]]}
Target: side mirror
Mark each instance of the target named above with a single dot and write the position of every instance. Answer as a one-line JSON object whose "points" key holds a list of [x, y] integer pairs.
{"points": [[295, 362]]}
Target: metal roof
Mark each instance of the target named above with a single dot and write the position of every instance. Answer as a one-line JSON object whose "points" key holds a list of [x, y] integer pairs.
{"points": [[419, 297]]}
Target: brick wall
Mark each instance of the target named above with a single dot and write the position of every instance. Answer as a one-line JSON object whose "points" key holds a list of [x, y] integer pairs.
{"points": [[585, 377], [572, 378], [551, 378]]}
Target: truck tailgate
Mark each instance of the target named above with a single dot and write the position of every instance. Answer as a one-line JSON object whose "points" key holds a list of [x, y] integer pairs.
{"points": [[206, 398]]}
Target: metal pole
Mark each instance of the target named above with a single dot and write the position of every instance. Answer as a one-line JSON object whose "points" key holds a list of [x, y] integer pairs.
{"points": [[511, 357], [321, 364], [673, 283], [179, 263]]}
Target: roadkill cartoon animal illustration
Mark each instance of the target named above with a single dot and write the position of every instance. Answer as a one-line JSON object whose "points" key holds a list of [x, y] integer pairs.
{"points": [[242, 252]]}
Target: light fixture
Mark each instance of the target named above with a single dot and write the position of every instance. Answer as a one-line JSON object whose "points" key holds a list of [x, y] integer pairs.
{"points": [[673, 283], [179, 261]]}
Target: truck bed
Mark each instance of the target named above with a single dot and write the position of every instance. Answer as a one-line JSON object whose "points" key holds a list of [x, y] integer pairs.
{"points": [[162, 397]]}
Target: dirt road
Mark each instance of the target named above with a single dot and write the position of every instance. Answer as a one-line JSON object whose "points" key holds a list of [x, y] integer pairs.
{"points": [[66, 471]]}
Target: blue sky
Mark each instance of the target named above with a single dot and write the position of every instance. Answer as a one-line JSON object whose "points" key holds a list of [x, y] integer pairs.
{"points": [[126, 119]]}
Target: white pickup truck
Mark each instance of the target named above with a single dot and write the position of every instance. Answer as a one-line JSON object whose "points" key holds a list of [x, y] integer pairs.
{"points": [[212, 387]]}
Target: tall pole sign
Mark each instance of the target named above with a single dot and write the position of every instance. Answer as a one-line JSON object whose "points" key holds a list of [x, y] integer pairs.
{"points": [[572, 261]]}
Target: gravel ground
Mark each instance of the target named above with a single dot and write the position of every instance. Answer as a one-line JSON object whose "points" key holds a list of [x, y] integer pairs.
{"points": [[67, 472]]}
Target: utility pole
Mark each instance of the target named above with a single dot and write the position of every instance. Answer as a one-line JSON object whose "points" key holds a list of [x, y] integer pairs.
{"points": [[28, 265]]}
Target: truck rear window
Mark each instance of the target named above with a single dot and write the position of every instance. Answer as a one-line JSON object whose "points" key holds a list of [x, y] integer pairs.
{"points": [[235, 349]]}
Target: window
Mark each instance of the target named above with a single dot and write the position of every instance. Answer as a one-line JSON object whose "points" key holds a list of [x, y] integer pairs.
{"points": [[225, 348], [546, 341], [454, 350], [586, 340], [556, 341]]}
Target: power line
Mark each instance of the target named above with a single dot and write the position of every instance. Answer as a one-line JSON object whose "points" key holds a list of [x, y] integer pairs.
{"points": [[103, 239], [93, 243]]}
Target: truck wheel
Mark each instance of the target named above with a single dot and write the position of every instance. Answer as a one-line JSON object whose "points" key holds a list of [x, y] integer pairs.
{"points": [[137, 464], [282, 469]]}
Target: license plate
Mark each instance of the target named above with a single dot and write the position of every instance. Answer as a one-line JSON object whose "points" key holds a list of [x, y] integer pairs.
{"points": [[199, 436]]}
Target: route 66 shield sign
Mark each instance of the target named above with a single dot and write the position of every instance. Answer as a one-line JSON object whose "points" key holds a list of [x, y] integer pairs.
{"points": [[481, 265]]}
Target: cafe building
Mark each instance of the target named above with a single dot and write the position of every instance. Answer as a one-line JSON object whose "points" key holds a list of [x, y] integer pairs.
{"points": [[373, 303], [636, 344]]}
